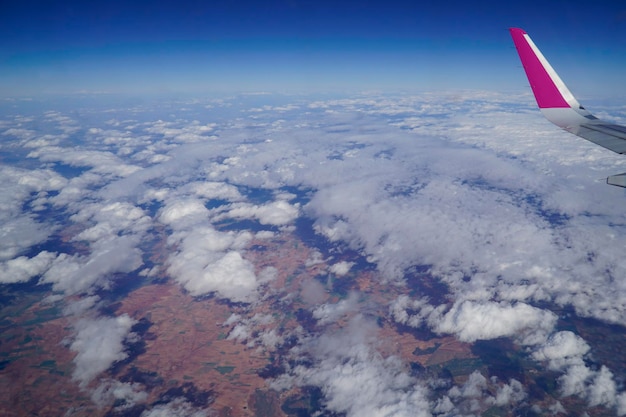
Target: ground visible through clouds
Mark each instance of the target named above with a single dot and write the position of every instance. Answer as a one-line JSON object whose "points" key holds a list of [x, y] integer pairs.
{"points": [[260, 255]]}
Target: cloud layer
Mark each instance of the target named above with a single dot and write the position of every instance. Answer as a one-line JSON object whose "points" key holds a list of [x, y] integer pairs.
{"points": [[474, 189]]}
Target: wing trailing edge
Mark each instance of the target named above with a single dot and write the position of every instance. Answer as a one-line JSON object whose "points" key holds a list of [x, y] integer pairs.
{"points": [[559, 105]]}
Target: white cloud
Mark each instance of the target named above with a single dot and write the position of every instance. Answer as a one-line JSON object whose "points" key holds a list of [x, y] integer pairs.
{"points": [[20, 227], [501, 209], [216, 190], [176, 408], [621, 404], [123, 394], [22, 269], [313, 292], [110, 220], [513, 392], [413, 313], [472, 321], [73, 274], [187, 211], [561, 348], [564, 351], [341, 268], [230, 276], [602, 390], [20, 233], [328, 313], [208, 261], [99, 343], [100, 162], [258, 330], [277, 213], [474, 396], [355, 378]]}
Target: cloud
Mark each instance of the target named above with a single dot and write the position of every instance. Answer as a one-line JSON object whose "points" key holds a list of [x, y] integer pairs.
{"points": [[185, 212], [341, 268], [22, 269], [474, 397], [328, 313], [111, 219], [500, 209], [20, 233], [73, 274], [355, 378], [472, 321], [120, 395], [564, 352], [602, 390], [259, 330], [561, 348], [101, 162], [414, 313], [99, 342], [313, 292], [208, 261], [277, 213], [22, 194], [176, 408], [231, 276]]}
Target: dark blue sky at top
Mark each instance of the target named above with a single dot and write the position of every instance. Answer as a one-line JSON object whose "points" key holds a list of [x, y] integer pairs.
{"points": [[292, 45]]}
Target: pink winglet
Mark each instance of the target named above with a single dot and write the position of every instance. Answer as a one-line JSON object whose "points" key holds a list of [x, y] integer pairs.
{"points": [[545, 90]]}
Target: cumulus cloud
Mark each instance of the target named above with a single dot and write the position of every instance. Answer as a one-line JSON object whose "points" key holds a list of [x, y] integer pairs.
{"points": [[72, 274], [277, 213], [185, 212], [176, 408], [101, 162], [414, 313], [341, 268], [20, 233], [122, 395], [216, 190], [22, 269], [355, 378], [98, 344], [561, 348], [258, 330], [565, 352], [208, 261], [231, 276], [22, 194], [522, 225], [474, 396], [328, 313], [472, 320], [111, 219]]}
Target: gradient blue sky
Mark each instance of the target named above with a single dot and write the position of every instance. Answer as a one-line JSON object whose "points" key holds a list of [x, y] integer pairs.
{"points": [[51, 47]]}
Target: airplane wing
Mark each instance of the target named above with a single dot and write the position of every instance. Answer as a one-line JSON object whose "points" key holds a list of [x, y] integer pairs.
{"points": [[559, 106]]}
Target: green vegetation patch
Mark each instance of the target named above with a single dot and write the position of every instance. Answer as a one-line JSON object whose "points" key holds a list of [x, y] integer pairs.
{"points": [[45, 315], [427, 351], [458, 367], [226, 369], [4, 363], [49, 364], [495, 412]]}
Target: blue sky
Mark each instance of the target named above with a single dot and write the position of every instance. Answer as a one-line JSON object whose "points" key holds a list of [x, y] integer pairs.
{"points": [[291, 46]]}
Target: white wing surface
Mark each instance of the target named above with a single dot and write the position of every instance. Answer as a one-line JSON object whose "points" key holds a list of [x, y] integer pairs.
{"points": [[560, 107]]}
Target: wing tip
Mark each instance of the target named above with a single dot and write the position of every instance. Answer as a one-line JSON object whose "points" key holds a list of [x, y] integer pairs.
{"points": [[548, 88]]}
